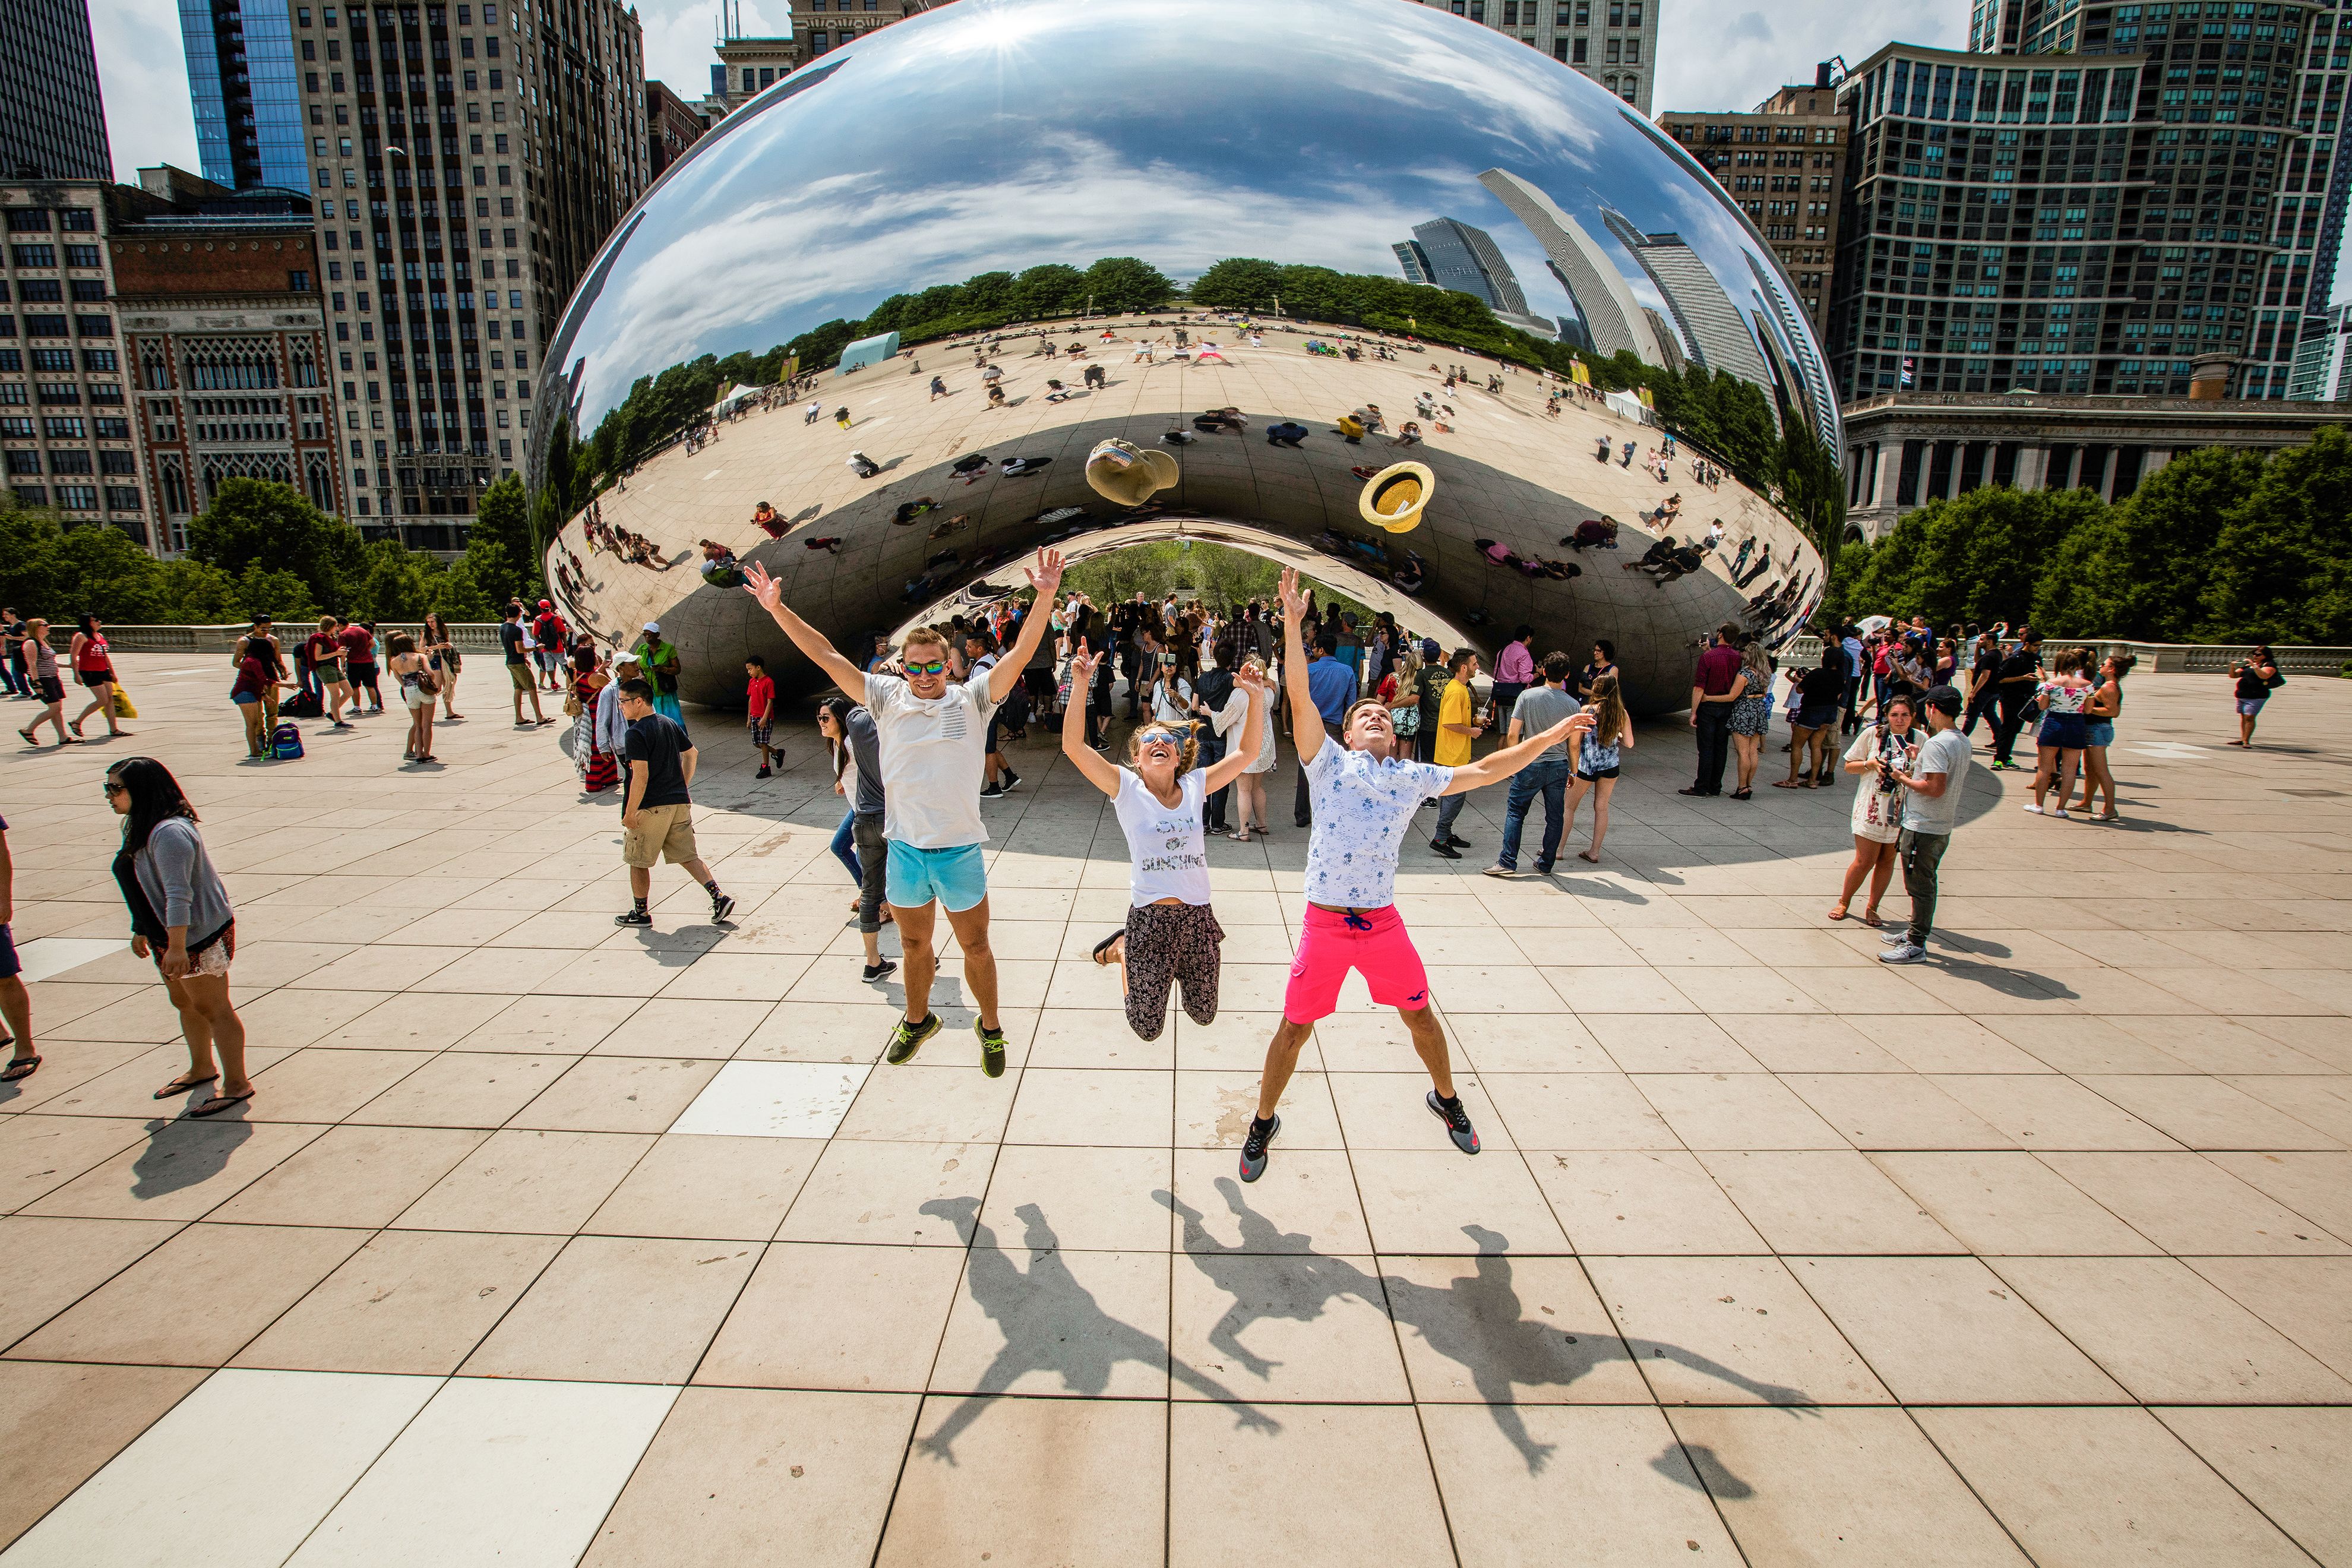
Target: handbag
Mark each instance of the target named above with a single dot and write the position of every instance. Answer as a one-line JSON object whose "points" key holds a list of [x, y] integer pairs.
{"points": [[428, 683], [571, 705]]}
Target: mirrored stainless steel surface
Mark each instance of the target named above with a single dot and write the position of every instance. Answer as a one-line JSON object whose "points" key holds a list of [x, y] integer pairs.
{"points": [[965, 187]]}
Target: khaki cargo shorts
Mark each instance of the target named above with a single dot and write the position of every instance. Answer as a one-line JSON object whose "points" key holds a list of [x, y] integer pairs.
{"points": [[662, 832]]}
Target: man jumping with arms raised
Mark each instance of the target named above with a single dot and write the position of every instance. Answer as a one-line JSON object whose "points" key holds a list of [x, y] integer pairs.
{"points": [[933, 744], [1364, 798]]}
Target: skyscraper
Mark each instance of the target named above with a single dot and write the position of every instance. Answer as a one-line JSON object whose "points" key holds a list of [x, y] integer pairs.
{"points": [[51, 124], [1613, 318], [1414, 261], [467, 161], [1709, 322], [1463, 257]]}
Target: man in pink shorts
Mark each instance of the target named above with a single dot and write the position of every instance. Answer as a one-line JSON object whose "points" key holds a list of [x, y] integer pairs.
{"points": [[1364, 798]]}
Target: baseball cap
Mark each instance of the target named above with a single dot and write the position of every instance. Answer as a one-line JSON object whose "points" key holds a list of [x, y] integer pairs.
{"points": [[1944, 700], [625, 659], [544, 604], [654, 626], [1429, 648]]}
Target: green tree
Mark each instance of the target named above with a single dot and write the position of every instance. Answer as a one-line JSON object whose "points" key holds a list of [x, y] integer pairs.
{"points": [[261, 591], [256, 520], [105, 574], [2143, 570], [395, 584], [2281, 566], [488, 574], [197, 594], [503, 517]]}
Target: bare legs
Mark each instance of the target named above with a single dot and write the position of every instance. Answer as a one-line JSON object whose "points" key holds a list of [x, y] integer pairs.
{"points": [[921, 961], [1601, 789], [251, 713], [1870, 860], [1800, 771], [17, 1006], [209, 1022], [101, 701], [2098, 781], [420, 731], [449, 690], [1746, 749], [2057, 766], [1281, 1055], [1252, 788]]}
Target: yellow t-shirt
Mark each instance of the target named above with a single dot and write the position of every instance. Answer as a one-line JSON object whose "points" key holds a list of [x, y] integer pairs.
{"points": [[1454, 708]]}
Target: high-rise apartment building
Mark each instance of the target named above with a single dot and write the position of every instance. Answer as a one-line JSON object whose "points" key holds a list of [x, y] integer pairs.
{"points": [[2212, 59], [52, 126], [1784, 165], [65, 439], [1449, 254], [1614, 42], [748, 66], [467, 161], [1611, 320], [2074, 223]]}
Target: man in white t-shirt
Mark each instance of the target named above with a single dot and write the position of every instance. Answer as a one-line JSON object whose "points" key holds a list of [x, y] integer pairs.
{"points": [[1364, 797], [934, 748]]}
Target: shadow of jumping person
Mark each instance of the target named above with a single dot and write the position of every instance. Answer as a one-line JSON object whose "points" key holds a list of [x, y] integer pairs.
{"points": [[1051, 1323], [1476, 1321]]}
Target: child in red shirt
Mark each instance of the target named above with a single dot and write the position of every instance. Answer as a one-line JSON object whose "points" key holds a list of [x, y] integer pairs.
{"points": [[761, 714]]}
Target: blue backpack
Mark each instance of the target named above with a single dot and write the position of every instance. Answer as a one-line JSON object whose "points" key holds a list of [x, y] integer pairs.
{"points": [[286, 743]]}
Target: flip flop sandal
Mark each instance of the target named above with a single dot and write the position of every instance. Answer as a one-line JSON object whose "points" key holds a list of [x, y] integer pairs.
{"points": [[1102, 948], [180, 1086], [221, 1102], [1870, 917], [1840, 913], [23, 1068]]}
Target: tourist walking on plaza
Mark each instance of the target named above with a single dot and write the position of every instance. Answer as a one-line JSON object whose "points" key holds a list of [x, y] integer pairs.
{"points": [[610, 736], [1171, 936], [1538, 708], [2014, 679], [2065, 729], [860, 843], [442, 658], [514, 638], [1812, 705], [1251, 786], [759, 713], [1931, 810], [179, 916], [1458, 729], [1600, 758], [2105, 706], [1751, 713], [2256, 677], [1365, 796], [417, 696], [659, 667], [933, 744], [658, 807], [93, 667], [15, 1001], [324, 651], [48, 690], [12, 655], [1711, 698], [1876, 753], [360, 659]]}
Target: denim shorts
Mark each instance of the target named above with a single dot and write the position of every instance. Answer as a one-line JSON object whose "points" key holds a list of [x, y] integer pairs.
{"points": [[957, 877], [2099, 732]]}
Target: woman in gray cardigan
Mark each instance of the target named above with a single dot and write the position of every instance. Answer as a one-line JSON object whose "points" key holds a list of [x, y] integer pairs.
{"points": [[180, 914]]}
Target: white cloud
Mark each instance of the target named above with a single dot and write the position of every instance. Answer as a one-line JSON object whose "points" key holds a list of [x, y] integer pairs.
{"points": [[143, 77], [1733, 54]]}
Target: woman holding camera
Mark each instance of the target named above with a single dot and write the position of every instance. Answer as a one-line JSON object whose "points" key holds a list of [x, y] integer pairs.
{"points": [[1878, 752]]}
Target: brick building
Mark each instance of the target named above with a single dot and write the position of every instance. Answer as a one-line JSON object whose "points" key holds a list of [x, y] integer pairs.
{"points": [[225, 339], [672, 125], [1784, 163]]}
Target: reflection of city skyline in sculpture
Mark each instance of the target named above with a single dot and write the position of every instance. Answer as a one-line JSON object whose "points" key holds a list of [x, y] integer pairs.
{"points": [[1450, 253], [991, 204], [1709, 323], [1810, 391], [1612, 318]]}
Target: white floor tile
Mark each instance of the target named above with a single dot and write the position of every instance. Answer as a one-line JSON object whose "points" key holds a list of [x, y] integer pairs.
{"points": [[774, 1100], [46, 956], [236, 1474], [511, 1472]]}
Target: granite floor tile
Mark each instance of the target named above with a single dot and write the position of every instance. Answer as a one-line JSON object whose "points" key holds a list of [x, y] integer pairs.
{"points": [[2296, 1465], [614, 1309], [412, 1302], [1730, 1331], [966, 1497], [1948, 1331], [1227, 1474], [62, 1422]]}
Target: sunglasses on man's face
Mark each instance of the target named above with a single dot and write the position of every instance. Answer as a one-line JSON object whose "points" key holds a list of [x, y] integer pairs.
{"points": [[937, 666]]}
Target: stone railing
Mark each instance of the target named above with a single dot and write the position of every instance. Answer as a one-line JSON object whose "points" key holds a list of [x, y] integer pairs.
{"points": [[2162, 657]]}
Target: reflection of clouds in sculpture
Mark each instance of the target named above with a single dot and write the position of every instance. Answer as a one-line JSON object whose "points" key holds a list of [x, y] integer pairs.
{"points": [[816, 252]]}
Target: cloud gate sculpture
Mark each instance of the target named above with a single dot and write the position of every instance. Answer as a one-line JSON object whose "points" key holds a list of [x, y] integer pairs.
{"points": [[999, 235]]}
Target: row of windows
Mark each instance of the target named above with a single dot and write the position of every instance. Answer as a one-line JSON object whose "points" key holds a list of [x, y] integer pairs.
{"points": [[72, 460], [50, 292], [78, 497], [1529, 13], [46, 256], [58, 393], [44, 326], [65, 427], [36, 220], [101, 360]]}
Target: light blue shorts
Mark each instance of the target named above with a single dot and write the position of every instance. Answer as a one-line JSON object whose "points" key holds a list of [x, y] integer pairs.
{"points": [[957, 878]]}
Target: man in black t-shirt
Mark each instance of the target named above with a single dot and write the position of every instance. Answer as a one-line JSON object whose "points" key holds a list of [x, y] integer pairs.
{"points": [[656, 811], [2013, 683], [1983, 666], [519, 668]]}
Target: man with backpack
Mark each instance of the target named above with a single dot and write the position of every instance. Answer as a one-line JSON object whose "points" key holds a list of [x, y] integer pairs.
{"points": [[511, 636], [552, 636]]}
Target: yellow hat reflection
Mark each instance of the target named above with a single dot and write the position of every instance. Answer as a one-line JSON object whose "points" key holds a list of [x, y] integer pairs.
{"points": [[1128, 474], [1393, 498]]}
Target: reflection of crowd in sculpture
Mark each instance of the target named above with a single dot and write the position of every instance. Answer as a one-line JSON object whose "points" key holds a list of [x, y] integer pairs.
{"points": [[634, 548]]}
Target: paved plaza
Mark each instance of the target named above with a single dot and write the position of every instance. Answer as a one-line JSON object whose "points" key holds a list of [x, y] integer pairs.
{"points": [[546, 1242]]}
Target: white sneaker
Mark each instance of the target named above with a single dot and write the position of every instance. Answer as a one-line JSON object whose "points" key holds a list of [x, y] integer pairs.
{"points": [[2035, 809], [1892, 938], [1907, 953], [2061, 815]]}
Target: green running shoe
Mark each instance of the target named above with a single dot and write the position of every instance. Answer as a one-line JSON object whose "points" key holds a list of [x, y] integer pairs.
{"points": [[907, 1038], [992, 1049]]}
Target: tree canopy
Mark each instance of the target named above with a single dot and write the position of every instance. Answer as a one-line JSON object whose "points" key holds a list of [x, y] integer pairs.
{"points": [[2219, 545]]}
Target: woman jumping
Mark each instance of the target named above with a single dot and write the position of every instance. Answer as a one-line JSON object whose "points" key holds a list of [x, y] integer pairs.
{"points": [[1170, 936]]}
